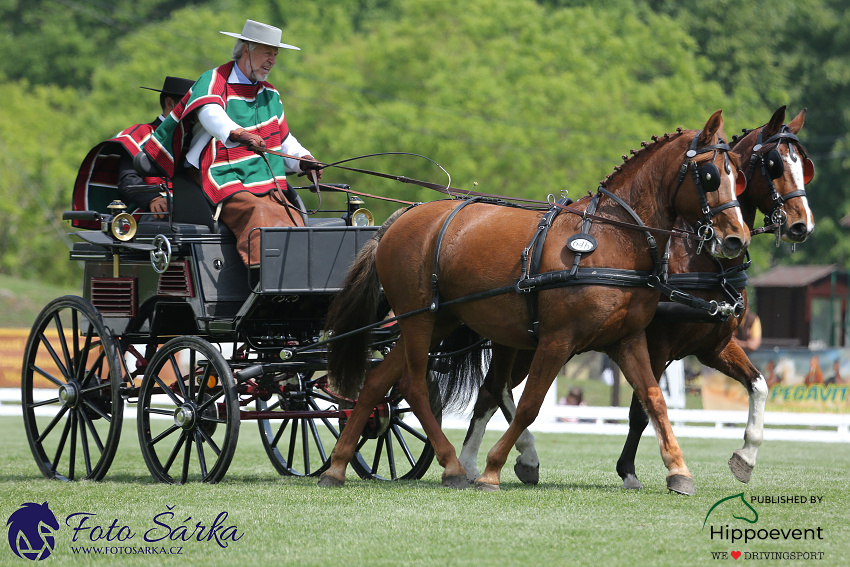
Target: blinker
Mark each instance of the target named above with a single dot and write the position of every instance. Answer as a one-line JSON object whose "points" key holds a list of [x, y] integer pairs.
{"points": [[808, 171], [740, 183], [773, 163], [710, 177]]}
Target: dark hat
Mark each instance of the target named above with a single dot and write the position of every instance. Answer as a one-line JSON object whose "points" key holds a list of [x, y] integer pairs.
{"points": [[174, 86]]}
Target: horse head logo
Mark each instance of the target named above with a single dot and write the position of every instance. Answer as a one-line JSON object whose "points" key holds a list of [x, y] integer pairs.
{"points": [[31, 529], [746, 513]]}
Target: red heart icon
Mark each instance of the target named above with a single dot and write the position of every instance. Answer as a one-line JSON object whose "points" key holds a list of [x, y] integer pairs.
{"points": [[736, 554]]}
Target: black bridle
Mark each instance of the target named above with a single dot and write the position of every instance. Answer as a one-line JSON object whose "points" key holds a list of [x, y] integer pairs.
{"points": [[707, 180], [770, 162]]}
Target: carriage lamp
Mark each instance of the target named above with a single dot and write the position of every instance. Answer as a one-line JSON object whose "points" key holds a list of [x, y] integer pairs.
{"points": [[362, 217], [358, 216], [123, 224]]}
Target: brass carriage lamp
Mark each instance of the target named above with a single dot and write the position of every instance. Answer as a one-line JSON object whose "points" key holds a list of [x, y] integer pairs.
{"points": [[357, 215], [123, 224]]}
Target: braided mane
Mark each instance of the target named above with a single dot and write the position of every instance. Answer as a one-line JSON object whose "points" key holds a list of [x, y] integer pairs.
{"points": [[629, 160]]}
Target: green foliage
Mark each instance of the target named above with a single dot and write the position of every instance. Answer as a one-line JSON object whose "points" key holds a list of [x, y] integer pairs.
{"points": [[523, 98]]}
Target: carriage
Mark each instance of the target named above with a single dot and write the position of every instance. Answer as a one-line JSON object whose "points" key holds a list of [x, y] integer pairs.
{"points": [[172, 322]]}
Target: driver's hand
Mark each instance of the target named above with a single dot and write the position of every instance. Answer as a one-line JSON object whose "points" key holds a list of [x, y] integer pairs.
{"points": [[308, 164], [242, 136], [158, 205]]}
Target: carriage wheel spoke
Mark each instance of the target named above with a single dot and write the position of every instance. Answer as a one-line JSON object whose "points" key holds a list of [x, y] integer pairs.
{"points": [[187, 457], [412, 431], [84, 442], [50, 377], [61, 445], [160, 411], [378, 450], [210, 400], [81, 356], [328, 424], [163, 435], [390, 455], [52, 424], [43, 403], [176, 369], [98, 411], [56, 360], [201, 461], [174, 452], [96, 369], [305, 445], [73, 455], [210, 441], [166, 390], [318, 440], [403, 445], [293, 436], [90, 425], [279, 433]]}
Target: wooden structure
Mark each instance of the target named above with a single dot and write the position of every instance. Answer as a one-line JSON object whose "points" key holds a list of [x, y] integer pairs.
{"points": [[803, 306]]}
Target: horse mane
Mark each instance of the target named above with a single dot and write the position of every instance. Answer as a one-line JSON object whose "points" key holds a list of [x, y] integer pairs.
{"points": [[647, 148]]}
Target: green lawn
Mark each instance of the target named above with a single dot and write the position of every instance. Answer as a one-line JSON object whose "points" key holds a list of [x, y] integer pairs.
{"points": [[22, 300], [578, 515]]}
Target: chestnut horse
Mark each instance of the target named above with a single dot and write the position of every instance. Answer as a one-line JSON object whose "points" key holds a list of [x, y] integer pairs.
{"points": [[778, 192], [441, 254]]}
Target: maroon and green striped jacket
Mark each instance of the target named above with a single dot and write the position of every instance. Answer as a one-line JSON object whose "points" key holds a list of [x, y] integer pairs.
{"points": [[225, 171]]}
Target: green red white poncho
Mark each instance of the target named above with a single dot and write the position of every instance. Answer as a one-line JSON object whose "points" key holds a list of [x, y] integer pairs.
{"points": [[224, 171]]}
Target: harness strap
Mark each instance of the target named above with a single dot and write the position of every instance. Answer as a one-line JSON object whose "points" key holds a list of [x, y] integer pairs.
{"points": [[536, 246], [435, 297]]}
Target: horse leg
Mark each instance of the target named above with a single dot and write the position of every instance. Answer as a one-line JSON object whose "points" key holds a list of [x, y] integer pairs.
{"points": [[495, 393], [633, 359], [485, 406], [419, 335], [544, 368], [378, 382], [638, 420], [733, 361]]}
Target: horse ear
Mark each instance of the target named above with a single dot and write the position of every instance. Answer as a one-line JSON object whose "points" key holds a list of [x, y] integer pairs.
{"points": [[797, 124], [776, 122], [713, 127]]}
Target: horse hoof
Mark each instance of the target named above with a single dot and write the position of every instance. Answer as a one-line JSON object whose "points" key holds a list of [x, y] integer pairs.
{"points": [[328, 481], [527, 473], [681, 484], [740, 468], [458, 481], [631, 482], [486, 487]]}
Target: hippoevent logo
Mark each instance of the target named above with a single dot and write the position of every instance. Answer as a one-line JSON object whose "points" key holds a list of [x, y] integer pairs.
{"points": [[31, 529], [734, 521]]}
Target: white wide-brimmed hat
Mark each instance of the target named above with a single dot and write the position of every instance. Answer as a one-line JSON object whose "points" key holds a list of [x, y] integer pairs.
{"points": [[261, 33]]}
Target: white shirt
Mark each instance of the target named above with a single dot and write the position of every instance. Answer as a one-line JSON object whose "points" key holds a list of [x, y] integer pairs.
{"points": [[213, 122]]}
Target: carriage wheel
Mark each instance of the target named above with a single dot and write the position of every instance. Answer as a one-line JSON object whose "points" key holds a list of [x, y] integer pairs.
{"points": [[188, 412], [299, 446], [391, 448], [70, 386]]}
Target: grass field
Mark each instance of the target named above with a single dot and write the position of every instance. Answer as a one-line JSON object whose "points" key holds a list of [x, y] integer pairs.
{"points": [[577, 515]]}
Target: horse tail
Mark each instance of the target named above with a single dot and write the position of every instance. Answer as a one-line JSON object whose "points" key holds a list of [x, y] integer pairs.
{"points": [[359, 303], [457, 368]]}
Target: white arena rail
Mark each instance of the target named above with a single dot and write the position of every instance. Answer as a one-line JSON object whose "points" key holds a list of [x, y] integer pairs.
{"points": [[603, 420]]}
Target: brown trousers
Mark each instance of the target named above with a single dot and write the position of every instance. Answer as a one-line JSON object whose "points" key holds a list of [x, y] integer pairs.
{"points": [[244, 211]]}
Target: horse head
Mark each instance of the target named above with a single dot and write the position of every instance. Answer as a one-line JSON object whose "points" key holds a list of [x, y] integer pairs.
{"points": [[708, 182], [778, 170]]}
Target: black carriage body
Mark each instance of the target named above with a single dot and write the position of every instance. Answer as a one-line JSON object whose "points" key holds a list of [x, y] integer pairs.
{"points": [[207, 289]]}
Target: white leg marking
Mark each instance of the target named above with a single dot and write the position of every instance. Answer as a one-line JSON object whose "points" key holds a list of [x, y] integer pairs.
{"points": [[525, 443], [472, 445], [754, 434]]}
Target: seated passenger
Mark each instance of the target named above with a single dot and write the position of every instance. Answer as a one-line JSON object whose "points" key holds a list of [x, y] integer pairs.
{"points": [[237, 111], [107, 173]]}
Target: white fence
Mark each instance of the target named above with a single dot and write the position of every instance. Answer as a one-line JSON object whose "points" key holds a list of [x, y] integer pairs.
{"points": [[553, 418]]}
